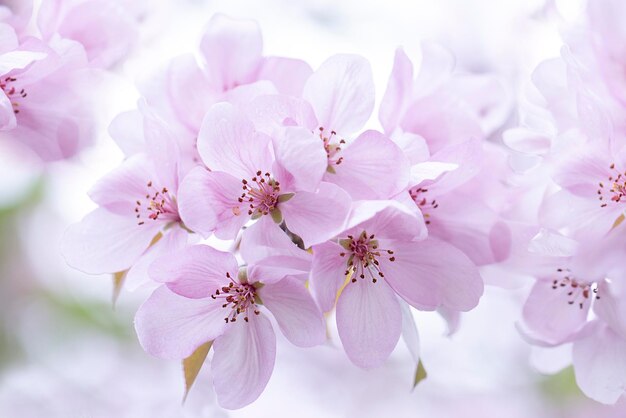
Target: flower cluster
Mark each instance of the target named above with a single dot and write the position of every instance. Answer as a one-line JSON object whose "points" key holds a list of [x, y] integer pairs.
{"points": [[49, 55], [267, 154], [571, 142], [273, 160]]}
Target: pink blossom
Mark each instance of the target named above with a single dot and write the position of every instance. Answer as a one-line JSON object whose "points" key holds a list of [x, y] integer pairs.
{"points": [[137, 207], [44, 102], [455, 202], [439, 105], [106, 29], [337, 100], [593, 194], [232, 63], [608, 43], [252, 175], [383, 254], [573, 279], [216, 301]]}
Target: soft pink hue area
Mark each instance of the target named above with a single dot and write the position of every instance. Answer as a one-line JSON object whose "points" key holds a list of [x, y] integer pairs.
{"points": [[321, 212]]}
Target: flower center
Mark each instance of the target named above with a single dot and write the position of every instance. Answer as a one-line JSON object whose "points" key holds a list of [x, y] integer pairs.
{"points": [[239, 298], [363, 254], [578, 292], [614, 190], [12, 92], [332, 146], [157, 205], [261, 193], [418, 195]]}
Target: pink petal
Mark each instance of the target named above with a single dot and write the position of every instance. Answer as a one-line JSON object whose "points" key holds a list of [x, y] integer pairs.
{"points": [[553, 244], [8, 38], [600, 365], [287, 74], [487, 95], [207, 201], [232, 51], [431, 273], [120, 189], [173, 240], [549, 317], [430, 170], [386, 219], [316, 217], [126, 129], [265, 239], [413, 146], [271, 113], [369, 321], [586, 216], [163, 150], [441, 129], [399, 90], [342, 93], [373, 167], [244, 94], [478, 232], [327, 274], [611, 307], [302, 157], [17, 60], [299, 319], [409, 331], [275, 268], [196, 271], [104, 242], [228, 142], [581, 173], [106, 30], [435, 69], [452, 318], [243, 361], [468, 155], [527, 141], [7, 114], [172, 326], [188, 91]]}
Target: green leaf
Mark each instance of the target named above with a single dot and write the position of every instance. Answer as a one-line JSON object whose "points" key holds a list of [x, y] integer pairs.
{"points": [[276, 215], [420, 374], [120, 276], [118, 283], [193, 364], [285, 197]]}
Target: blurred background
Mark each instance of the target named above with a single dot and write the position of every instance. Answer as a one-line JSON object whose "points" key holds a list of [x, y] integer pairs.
{"points": [[66, 351]]}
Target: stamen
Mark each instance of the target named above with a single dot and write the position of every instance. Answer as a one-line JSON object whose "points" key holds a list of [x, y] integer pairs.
{"points": [[578, 292], [239, 298], [364, 256], [261, 194], [418, 195], [615, 191], [12, 93], [160, 205], [332, 148]]}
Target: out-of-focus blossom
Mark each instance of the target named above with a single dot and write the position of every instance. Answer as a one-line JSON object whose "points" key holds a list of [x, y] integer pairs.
{"points": [[106, 29], [232, 68], [46, 104]]}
